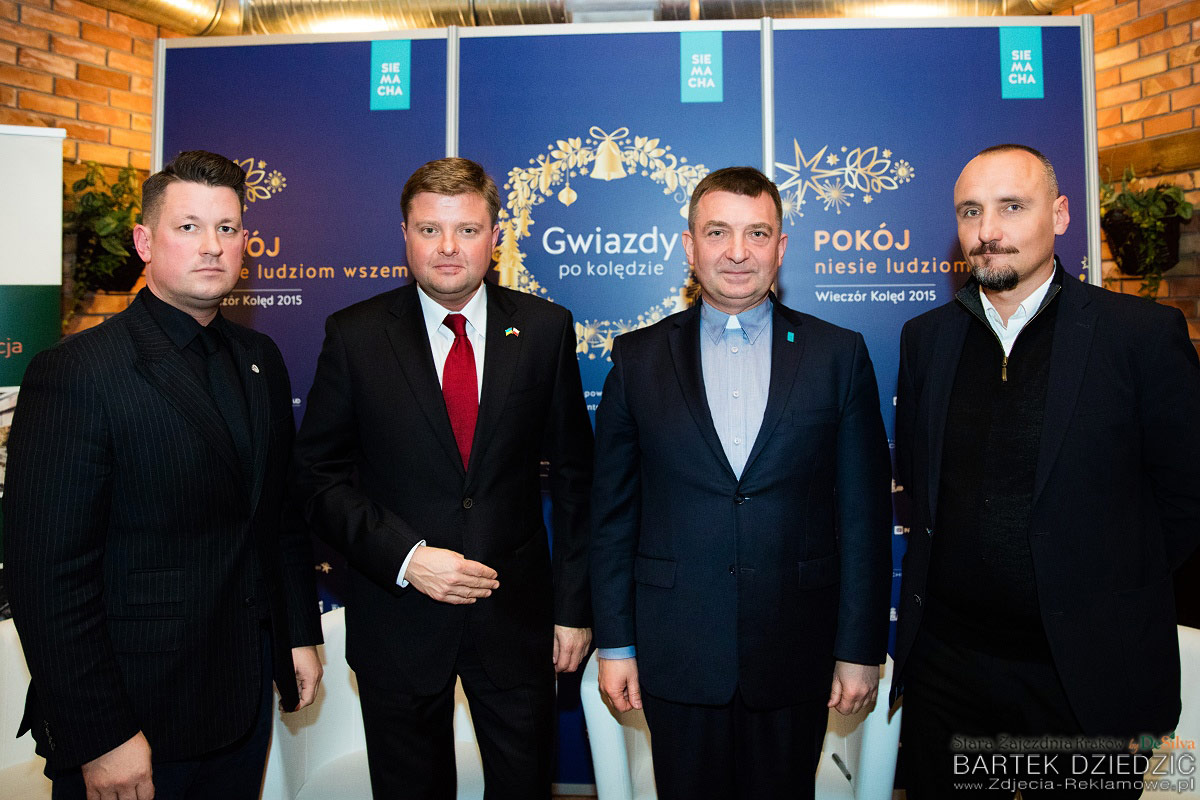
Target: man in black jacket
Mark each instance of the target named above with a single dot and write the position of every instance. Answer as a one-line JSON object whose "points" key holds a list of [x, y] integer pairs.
{"points": [[152, 586], [420, 458], [1047, 433]]}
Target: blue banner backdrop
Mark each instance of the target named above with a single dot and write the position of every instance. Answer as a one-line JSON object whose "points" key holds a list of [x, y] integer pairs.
{"points": [[597, 135], [597, 141], [866, 159]]}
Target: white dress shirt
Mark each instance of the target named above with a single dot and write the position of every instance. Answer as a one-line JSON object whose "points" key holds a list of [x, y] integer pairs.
{"points": [[441, 338], [1007, 334]]}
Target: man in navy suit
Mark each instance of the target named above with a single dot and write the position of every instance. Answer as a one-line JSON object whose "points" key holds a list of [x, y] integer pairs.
{"points": [[1047, 433], [152, 583], [420, 458], [741, 517]]}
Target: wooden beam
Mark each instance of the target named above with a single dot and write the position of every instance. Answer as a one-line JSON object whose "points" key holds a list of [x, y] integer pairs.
{"points": [[1178, 152]]}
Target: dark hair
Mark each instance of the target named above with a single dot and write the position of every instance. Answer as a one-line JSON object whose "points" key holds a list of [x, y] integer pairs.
{"points": [[193, 166], [450, 177], [737, 180], [1051, 178]]}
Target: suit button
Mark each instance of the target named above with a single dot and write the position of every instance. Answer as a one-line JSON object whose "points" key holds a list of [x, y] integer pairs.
{"points": [[739, 499], [733, 569], [468, 502], [248, 602], [929, 532], [917, 599]]}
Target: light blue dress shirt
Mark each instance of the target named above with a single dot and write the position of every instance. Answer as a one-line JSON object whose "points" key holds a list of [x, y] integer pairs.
{"points": [[735, 358]]}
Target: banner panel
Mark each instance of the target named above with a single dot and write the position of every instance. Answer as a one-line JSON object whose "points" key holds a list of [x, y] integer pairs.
{"points": [[866, 159], [30, 323]]}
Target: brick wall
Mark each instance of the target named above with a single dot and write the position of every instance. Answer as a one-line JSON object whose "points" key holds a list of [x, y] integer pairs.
{"points": [[1148, 112], [70, 65]]}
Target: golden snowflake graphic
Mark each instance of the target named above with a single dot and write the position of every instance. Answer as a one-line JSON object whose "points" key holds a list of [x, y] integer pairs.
{"points": [[834, 195], [866, 171], [903, 171]]}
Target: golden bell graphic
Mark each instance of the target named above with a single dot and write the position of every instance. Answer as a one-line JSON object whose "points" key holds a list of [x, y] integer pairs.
{"points": [[608, 165]]}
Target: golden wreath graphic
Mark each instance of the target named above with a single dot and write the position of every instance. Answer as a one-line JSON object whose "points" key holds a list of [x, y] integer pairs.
{"points": [[606, 156]]}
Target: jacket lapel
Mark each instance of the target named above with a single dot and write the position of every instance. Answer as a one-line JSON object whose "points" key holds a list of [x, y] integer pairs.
{"points": [[684, 342], [499, 363], [786, 357], [165, 369], [943, 362], [247, 358], [1073, 332], [410, 342]]}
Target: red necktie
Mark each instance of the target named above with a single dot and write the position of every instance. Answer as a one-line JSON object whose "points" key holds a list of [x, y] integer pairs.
{"points": [[460, 386]]}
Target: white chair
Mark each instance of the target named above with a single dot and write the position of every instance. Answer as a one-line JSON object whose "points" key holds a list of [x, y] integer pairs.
{"points": [[858, 757], [20, 768], [1188, 728], [620, 744], [866, 745], [321, 751]]}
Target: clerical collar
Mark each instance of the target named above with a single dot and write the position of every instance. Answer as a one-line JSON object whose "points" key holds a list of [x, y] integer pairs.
{"points": [[752, 321]]}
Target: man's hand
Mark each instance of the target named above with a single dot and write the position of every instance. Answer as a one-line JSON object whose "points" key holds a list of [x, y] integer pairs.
{"points": [[855, 687], [307, 665], [123, 773], [619, 683], [447, 577], [570, 646]]}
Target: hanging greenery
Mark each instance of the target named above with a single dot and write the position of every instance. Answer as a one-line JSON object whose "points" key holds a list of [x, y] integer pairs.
{"points": [[102, 220], [1142, 225]]}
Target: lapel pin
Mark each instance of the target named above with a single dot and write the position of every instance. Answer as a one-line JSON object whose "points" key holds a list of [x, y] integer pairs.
{"points": [[254, 367], [511, 332], [791, 336]]}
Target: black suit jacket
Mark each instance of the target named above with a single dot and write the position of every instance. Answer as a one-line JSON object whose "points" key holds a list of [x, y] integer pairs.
{"points": [[380, 471], [760, 582], [132, 534], [1116, 503]]}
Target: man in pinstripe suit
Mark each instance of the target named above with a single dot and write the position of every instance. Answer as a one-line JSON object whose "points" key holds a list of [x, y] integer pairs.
{"points": [[153, 587]]}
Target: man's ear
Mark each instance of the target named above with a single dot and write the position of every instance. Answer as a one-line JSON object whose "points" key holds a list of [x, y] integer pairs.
{"points": [[141, 242], [1062, 215]]}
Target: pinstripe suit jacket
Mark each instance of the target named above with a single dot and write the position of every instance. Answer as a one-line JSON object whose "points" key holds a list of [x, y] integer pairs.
{"points": [[132, 538]]}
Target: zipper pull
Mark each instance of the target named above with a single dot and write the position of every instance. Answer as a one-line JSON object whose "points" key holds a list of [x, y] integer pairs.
{"points": [[1004, 370]]}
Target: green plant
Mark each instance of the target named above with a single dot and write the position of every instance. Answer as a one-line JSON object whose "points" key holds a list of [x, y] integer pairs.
{"points": [[103, 218], [1142, 226]]}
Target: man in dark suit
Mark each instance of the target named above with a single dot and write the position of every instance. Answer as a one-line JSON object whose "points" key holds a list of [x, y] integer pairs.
{"points": [[1047, 433], [741, 517], [419, 458], [152, 586]]}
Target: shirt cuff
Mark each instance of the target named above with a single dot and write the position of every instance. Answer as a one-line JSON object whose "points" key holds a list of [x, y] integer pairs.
{"points": [[617, 652], [400, 581]]}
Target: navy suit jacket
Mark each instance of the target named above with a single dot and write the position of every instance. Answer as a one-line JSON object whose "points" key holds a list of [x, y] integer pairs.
{"points": [[380, 471], [760, 582], [1116, 503], [131, 535]]}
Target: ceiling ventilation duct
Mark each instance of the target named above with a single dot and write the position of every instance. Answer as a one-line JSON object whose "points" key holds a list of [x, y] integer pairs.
{"points": [[232, 17]]}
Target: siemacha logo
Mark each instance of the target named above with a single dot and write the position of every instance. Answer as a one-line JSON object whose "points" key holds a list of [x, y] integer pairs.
{"points": [[10, 347]]}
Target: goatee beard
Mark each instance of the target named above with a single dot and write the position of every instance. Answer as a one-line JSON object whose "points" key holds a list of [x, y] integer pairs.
{"points": [[996, 279]]}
